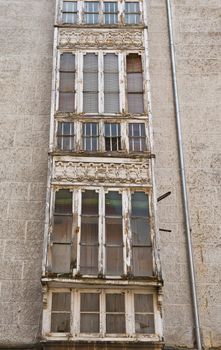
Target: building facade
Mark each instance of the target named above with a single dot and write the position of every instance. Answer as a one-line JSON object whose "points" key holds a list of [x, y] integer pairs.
{"points": [[105, 265], [101, 271]]}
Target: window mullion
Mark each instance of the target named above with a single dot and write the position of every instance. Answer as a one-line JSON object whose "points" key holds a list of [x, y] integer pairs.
{"points": [[122, 80], [80, 11], [77, 207], [102, 137], [120, 12], [101, 82], [101, 232], [79, 81], [102, 314], [129, 313], [126, 228]]}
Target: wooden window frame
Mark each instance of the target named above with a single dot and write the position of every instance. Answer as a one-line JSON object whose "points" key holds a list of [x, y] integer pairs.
{"points": [[75, 315], [101, 13], [76, 230]]}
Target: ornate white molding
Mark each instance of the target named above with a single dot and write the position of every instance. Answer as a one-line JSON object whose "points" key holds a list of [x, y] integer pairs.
{"points": [[87, 38], [70, 172]]}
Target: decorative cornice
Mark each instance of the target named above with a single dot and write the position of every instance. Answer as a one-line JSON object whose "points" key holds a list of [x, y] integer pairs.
{"points": [[70, 172], [87, 38]]}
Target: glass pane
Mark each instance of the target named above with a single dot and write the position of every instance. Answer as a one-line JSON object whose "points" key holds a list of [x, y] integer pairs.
{"points": [[132, 19], [110, 6], [89, 260], [66, 143], [90, 302], [67, 82], [89, 323], [142, 261], [90, 82], [111, 103], [113, 204], [114, 231], [61, 258], [90, 102], [140, 205], [143, 302], [89, 230], [66, 101], [91, 6], [115, 323], [67, 62], [140, 231], [131, 7], [110, 19], [134, 82], [61, 301], [60, 322], [90, 129], [91, 18], [66, 128], [135, 103], [69, 18], [134, 64], [63, 202], [115, 303], [90, 62], [111, 82], [144, 324], [137, 129], [112, 129], [114, 261], [89, 202], [110, 63], [62, 229], [69, 6]]}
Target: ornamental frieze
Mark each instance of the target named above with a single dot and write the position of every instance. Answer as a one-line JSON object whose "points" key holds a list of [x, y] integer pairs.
{"points": [[73, 38], [70, 172]]}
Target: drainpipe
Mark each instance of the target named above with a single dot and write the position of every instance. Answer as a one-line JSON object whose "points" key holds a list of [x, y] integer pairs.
{"points": [[183, 181]]}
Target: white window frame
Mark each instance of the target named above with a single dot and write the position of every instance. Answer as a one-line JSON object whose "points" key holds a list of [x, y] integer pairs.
{"points": [[129, 334], [127, 238], [120, 10], [124, 128], [122, 74]]}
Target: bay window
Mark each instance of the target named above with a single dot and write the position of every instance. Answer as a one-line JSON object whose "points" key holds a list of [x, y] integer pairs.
{"points": [[101, 82], [100, 245], [100, 12], [103, 312]]}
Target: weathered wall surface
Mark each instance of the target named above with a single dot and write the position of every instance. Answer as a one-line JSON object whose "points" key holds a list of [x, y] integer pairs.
{"points": [[197, 30], [25, 81]]}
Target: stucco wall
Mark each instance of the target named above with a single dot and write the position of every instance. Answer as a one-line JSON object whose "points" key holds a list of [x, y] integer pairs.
{"points": [[197, 30], [25, 81]]}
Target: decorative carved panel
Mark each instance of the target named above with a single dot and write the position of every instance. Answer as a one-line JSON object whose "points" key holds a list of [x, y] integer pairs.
{"points": [[99, 172], [87, 38]]}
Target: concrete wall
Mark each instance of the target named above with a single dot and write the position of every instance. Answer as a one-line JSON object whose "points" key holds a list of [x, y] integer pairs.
{"points": [[197, 30], [25, 81]]}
